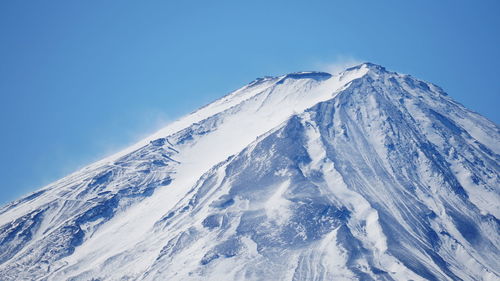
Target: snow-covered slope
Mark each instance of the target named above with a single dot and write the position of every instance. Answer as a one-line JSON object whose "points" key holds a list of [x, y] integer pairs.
{"points": [[367, 174]]}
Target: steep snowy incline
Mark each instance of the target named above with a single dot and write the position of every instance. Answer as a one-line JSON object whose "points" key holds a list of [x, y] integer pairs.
{"points": [[73, 220], [364, 186], [365, 175]]}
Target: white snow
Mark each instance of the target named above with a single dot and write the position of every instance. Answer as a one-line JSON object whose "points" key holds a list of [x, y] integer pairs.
{"points": [[245, 114], [130, 243]]}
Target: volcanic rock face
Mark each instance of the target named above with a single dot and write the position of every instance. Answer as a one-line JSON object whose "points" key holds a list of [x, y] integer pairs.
{"points": [[363, 175]]}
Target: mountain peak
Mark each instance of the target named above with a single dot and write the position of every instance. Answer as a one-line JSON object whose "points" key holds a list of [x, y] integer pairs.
{"points": [[315, 75], [371, 66], [368, 166]]}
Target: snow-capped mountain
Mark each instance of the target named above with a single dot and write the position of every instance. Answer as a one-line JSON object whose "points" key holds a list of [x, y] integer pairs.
{"points": [[363, 175]]}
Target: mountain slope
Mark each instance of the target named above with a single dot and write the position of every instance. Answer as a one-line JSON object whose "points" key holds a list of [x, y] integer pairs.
{"points": [[367, 174]]}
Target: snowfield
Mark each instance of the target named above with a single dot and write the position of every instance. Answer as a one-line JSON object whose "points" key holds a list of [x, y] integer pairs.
{"points": [[363, 175]]}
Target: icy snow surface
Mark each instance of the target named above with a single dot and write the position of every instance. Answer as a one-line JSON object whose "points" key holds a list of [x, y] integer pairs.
{"points": [[363, 175]]}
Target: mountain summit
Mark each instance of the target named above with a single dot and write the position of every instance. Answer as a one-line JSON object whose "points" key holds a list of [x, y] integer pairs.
{"points": [[363, 175]]}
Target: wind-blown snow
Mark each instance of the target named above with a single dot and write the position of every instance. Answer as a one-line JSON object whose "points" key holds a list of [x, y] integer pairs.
{"points": [[367, 174]]}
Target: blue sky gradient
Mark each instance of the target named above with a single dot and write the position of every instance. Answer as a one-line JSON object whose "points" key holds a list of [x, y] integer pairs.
{"points": [[82, 79]]}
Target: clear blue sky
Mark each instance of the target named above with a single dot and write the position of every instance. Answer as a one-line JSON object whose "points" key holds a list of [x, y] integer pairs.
{"points": [[82, 79]]}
